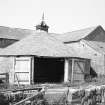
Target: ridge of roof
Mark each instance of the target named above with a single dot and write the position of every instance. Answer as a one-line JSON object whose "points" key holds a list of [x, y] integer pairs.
{"points": [[84, 29], [14, 33], [19, 33], [75, 35]]}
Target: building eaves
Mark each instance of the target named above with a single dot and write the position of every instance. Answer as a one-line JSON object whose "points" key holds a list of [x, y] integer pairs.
{"points": [[38, 44]]}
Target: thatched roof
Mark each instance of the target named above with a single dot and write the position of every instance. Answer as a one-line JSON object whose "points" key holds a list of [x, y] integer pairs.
{"points": [[39, 44]]}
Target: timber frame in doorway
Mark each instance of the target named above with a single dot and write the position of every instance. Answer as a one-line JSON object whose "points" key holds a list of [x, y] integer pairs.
{"points": [[68, 68]]}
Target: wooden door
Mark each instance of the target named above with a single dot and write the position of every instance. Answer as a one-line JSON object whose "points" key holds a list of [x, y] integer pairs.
{"points": [[22, 70], [78, 71]]}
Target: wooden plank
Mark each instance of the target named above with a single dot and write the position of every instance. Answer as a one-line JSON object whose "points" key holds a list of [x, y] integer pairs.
{"points": [[79, 77], [82, 70], [22, 69], [66, 70], [78, 71], [31, 71], [72, 70], [29, 98], [87, 67], [69, 69], [22, 76], [21, 72], [17, 90]]}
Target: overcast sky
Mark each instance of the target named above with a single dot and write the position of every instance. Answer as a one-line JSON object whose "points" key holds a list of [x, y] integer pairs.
{"points": [[60, 15]]}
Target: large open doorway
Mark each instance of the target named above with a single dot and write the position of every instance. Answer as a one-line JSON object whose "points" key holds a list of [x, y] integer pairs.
{"points": [[49, 70]]}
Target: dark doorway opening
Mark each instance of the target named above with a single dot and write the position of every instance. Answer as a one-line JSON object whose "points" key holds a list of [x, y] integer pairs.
{"points": [[49, 70]]}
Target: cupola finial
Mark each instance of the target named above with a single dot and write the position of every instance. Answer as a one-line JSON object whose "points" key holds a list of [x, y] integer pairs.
{"points": [[43, 17]]}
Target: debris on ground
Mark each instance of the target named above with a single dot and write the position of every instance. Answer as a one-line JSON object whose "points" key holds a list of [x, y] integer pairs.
{"points": [[92, 93]]}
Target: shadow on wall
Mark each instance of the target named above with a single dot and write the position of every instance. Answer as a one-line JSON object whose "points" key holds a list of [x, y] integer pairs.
{"points": [[93, 74]]}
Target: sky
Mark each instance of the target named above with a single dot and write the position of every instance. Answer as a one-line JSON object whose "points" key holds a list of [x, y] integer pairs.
{"points": [[61, 15]]}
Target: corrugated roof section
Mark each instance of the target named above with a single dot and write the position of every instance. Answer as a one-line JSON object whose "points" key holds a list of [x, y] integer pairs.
{"points": [[39, 44]]}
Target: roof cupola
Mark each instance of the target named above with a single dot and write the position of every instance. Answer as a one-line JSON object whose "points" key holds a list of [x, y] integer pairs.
{"points": [[42, 26]]}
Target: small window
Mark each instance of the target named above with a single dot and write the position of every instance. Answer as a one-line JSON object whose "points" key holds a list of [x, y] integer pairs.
{"points": [[101, 47], [95, 54]]}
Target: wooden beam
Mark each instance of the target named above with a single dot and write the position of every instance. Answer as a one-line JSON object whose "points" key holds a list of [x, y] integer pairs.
{"points": [[21, 90], [72, 70], [104, 64], [66, 68], [82, 70], [29, 98], [32, 71]]}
